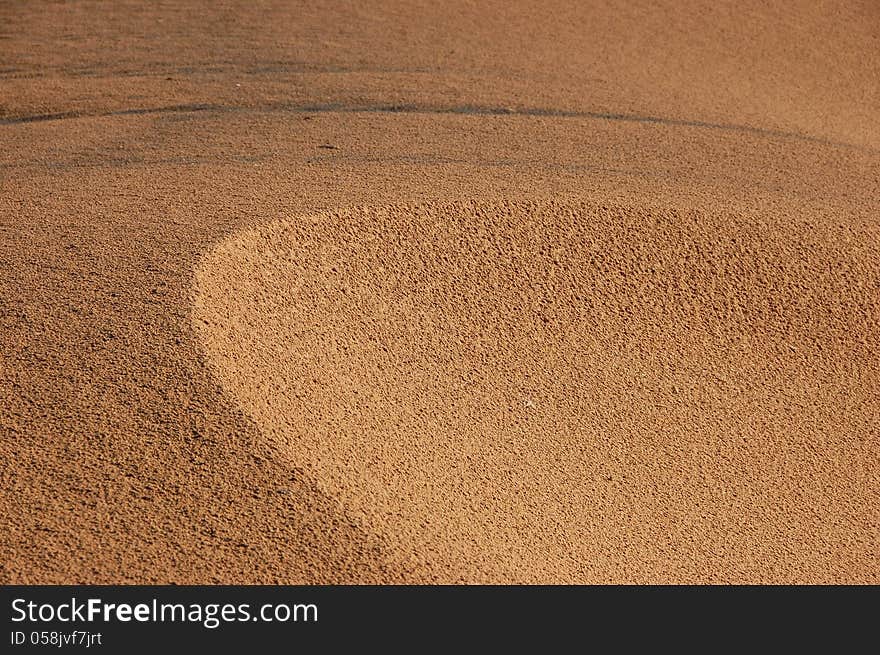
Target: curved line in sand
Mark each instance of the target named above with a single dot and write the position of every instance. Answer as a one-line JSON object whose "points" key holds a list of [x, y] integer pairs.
{"points": [[544, 392], [465, 110]]}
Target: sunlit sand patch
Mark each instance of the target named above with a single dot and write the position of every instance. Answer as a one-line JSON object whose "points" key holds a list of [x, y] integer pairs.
{"points": [[546, 392]]}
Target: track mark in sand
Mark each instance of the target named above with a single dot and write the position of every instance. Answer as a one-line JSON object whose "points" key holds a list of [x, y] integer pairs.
{"points": [[68, 115], [544, 392], [465, 110]]}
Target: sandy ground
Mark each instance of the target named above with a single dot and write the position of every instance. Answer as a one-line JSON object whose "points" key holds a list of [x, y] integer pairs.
{"points": [[439, 292]]}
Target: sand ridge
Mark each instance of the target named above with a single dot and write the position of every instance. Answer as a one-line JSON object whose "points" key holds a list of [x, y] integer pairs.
{"points": [[533, 392]]}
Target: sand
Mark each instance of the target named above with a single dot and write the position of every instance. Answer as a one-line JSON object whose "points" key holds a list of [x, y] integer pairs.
{"points": [[525, 293]]}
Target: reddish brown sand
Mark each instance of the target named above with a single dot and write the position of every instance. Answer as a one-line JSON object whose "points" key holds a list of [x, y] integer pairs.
{"points": [[420, 292]]}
